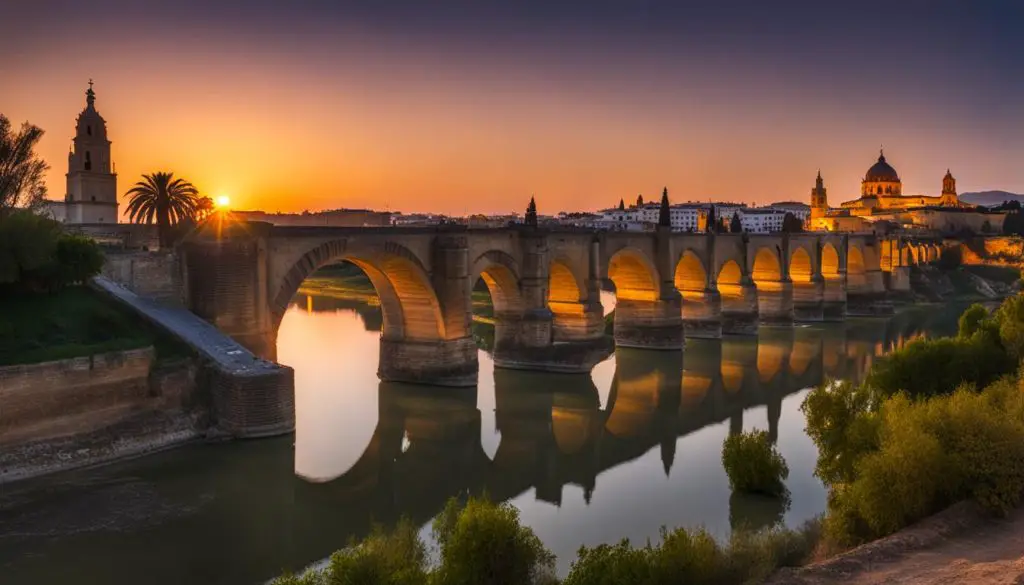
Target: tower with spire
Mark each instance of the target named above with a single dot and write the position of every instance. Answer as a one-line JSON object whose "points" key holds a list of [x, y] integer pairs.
{"points": [[819, 199], [91, 182], [949, 196]]}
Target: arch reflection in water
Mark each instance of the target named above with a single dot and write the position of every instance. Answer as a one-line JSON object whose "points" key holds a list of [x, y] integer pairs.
{"points": [[621, 469]]}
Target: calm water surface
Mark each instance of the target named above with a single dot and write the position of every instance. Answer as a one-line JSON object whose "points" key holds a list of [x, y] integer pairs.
{"points": [[586, 459]]}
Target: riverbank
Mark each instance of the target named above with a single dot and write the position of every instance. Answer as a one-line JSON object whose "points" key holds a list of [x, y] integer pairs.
{"points": [[962, 544]]}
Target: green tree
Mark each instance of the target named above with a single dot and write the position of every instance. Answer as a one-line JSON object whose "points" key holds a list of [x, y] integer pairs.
{"points": [[753, 464], [164, 199], [483, 543], [735, 225], [79, 259], [791, 223], [28, 244], [971, 320], [21, 170]]}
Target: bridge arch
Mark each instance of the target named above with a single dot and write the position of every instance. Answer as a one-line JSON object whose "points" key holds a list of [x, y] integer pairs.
{"points": [[690, 275], [634, 275], [829, 262], [856, 270], [801, 268], [500, 273], [409, 305], [766, 267]]}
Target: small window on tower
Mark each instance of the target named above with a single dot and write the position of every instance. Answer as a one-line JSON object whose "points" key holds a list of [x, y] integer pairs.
{"points": [[88, 130], [88, 161], [94, 198]]}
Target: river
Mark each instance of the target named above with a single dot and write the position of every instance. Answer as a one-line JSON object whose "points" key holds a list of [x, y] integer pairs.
{"points": [[586, 459]]}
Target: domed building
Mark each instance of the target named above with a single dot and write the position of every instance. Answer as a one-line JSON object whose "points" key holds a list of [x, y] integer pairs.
{"points": [[882, 198]]}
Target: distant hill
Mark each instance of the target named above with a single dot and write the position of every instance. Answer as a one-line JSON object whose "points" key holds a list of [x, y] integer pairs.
{"points": [[990, 197]]}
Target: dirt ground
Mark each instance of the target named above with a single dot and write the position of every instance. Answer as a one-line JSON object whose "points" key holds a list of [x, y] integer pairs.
{"points": [[960, 545]]}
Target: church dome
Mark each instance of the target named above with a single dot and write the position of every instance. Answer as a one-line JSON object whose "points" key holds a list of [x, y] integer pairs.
{"points": [[881, 171]]}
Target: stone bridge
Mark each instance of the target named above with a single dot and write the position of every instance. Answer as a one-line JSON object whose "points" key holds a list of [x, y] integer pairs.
{"points": [[545, 287]]}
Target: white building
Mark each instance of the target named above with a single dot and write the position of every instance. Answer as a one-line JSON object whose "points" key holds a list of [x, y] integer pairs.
{"points": [[802, 211], [761, 220], [91, 195]]}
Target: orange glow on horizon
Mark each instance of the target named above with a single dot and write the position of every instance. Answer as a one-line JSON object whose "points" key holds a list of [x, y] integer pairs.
{"points": [[476, 138]]}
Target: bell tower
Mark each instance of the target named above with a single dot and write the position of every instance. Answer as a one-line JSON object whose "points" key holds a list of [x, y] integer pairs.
{"points": [[949, 196], [819, 199], [91, 183]]}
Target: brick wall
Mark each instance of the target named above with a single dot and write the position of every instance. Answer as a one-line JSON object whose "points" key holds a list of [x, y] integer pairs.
{"points": [[81, 395], [151, 274]]}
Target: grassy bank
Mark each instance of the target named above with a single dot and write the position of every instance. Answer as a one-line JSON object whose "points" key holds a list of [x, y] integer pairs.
{"points": [[75, 321]]}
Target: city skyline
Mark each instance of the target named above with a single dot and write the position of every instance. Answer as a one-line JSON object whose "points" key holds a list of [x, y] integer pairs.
{"points": [[463, 109]]}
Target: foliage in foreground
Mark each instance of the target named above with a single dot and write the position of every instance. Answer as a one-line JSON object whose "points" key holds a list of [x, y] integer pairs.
{"points": [[484, 543], [36, 255], [919, 436], [754, 465]]}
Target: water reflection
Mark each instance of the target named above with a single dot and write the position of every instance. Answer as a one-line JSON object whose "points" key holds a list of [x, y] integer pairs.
{"points": [[586, 459]]}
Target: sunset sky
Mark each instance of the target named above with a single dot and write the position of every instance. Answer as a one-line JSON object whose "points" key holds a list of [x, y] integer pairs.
{"points": [[472, 106]]}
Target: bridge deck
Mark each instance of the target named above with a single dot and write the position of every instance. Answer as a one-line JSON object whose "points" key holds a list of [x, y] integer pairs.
{"points": [[197, 333]]}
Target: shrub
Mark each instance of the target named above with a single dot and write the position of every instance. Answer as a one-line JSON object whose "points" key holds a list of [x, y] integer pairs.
{"points": [[611, 565], [971, 320], [753, 464], [484, 543], [841, 422], [36, 256], [79, 259], [396, 557], [933, 453], [1009, 318], [693, 557], [28, 244], [928, 367]]}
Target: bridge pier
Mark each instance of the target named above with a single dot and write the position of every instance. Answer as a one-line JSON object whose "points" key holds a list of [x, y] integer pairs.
{"points": [[809, 300], [739, 308], [450, 362], [834, 302], [869, 300], [775, 302], [526, 344], [702, 314], [648, 324]]}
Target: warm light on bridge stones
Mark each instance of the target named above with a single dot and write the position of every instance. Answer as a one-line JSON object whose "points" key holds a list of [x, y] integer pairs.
{"points": [[546, 287]]}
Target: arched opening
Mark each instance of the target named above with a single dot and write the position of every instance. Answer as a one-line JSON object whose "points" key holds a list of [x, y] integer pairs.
{"points": [[738, 302], [88, 161], [497, 302], [690, 276], [856, 274], [634, 277], [829, 262], [767, 270], [566, 300], [701, 308], [800, 268]]}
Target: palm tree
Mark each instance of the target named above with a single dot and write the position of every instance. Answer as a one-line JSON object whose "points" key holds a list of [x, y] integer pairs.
{"points": [[162, 198]]}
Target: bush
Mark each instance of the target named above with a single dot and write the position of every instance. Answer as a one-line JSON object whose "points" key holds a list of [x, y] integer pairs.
{"points": [[929, 367], [753, 464], [1009, 318], [35, 256], [841, 423], [933, 453], [611, 565], [484, 543], [79, 259], [694, 558], [971, 320]]}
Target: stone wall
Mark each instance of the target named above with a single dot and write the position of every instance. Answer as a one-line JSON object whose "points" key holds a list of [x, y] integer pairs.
{"points": [[152, 274], [1006, 250], [50, 412], [124, 236]]}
